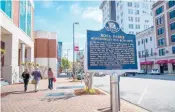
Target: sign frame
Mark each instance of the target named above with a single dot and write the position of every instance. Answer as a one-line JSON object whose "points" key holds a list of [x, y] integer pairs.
{"points": [[109, 71]]}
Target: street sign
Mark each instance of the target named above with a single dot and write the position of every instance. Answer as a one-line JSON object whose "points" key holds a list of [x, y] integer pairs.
{"points": [[111, 49]]}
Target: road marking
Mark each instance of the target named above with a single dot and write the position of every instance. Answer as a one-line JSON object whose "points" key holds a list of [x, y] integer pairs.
{"points": [[142, 94]]}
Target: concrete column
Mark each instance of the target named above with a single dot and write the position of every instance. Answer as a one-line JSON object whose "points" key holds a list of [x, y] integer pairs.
{"points": [[10, 70], [22, 57], [30, 54], [170, 68]]}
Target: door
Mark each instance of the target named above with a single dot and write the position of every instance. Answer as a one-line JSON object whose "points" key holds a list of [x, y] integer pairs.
{"points": [[161, 69]]}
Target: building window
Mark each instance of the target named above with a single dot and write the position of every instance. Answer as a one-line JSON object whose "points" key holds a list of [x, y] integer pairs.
{"points": [[150, 38], [121, 21], [146, 40], [139, 54], [136, 5], [137, 12], [161, 42], [130, 11], [130, 18], [172, 26], [137, 19], [138, 42], [131, 26], [6, 6], [23, 15], [160, 31], [173, 38], [142, 41], [137, 26], [171, 3], [146, 21], [173, 49], [159, 10], [172, 14], [160, 20], [161, 52], [129, 4]]}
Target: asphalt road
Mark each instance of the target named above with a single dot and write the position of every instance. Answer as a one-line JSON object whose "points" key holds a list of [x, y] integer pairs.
{"points": [[151, 92]]}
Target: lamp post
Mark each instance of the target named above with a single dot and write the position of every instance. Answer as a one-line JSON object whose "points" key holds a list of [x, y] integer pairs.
{"points": [[145, 54], [75, 23], [67, 60]]}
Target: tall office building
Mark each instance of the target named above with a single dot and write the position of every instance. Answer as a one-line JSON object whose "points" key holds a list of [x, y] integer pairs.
{"points": [[132, 17], [16, 28]]}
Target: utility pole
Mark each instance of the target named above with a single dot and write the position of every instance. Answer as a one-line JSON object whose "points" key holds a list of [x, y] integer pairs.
{"points": [[145, 55]]}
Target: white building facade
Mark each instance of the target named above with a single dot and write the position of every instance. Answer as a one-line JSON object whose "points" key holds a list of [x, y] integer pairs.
{"points": [[132, 17], [16, 28], [145, 41]]}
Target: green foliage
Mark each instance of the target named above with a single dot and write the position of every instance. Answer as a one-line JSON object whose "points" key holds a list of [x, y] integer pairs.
{"points": [[65, 64]]}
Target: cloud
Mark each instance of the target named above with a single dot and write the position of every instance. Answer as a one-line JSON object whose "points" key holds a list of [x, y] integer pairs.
{"points": [[75, 9], [47, 4], [93, 13]]}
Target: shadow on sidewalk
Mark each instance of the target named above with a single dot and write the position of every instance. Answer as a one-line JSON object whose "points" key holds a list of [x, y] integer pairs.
{"points": [[107, 109], [55, 99]]}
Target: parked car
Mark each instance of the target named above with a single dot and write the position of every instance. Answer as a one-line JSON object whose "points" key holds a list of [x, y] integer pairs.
{"points": [[141, 72], [79, 76], [100, 74], [155, 72]]}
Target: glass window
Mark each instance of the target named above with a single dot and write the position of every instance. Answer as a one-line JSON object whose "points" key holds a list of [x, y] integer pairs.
{"points": [[138, 42], [172, 26], [161, 42], [160, 31], [171, 3], [159, 10], [6, 6], [151, 51], [146, 40], [173, 49], [131, 26], [173, 38], [139, 54], [150, 38], [137, 19], [130, 18], [172, 14], [137, 26], [129, 4], [142, 41], [160, 20], [130, 11], [23, 15], [136, 5], [161, 52], [137, 12]]}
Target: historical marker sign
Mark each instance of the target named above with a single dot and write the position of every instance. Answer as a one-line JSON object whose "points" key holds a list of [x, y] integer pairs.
{"points": [[111, 49]]}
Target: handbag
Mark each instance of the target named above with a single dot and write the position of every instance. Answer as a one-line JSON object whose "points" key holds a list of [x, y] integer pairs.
{"points": [[54, 79], [33, 81]]}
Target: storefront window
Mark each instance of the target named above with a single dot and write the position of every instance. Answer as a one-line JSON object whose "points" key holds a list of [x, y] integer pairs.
{"points": [[165, 66]]}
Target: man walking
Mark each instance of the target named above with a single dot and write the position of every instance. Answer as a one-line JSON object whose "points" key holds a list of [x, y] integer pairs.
{"points": [[37, 77], [25, 76]]}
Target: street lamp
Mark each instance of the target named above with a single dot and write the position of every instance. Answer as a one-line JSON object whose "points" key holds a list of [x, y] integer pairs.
{"points": [[75, 23], [67, 60], [145, 55]]}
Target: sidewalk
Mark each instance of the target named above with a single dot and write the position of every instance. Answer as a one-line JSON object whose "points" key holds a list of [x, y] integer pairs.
{"points": [[60, 99]]}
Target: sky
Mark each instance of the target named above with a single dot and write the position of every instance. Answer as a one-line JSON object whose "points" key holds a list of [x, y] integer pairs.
{"points": [[59, 16]]}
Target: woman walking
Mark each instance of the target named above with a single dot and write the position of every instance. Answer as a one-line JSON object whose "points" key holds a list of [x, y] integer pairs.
{"points": [[50, 77], [37, 77], [25, 76]]}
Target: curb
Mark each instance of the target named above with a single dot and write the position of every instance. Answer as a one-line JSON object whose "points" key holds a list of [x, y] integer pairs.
{"points": [[106, 93]]}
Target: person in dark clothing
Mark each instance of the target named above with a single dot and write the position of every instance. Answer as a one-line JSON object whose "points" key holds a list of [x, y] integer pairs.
{"points": [[26, 77]]}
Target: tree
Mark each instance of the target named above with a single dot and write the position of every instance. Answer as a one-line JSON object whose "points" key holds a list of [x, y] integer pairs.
{"points": [[65, 64]]}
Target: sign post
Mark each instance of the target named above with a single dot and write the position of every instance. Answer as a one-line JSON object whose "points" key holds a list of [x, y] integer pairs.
{"points": [[113, 51]]}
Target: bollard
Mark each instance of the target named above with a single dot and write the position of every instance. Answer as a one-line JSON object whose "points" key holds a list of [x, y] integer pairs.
{"points": [[115, 93]]}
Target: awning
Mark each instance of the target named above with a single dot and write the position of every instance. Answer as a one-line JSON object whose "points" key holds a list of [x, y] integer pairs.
{"points": [[147, 63], [162, 62], [171, 61]]}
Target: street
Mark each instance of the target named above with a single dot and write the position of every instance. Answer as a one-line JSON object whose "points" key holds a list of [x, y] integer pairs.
{"points": [[146, 91]]}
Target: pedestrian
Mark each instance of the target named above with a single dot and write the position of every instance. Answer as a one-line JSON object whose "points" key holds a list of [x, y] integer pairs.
{"points": [[37, 77], [25, 76], [50, 79]]}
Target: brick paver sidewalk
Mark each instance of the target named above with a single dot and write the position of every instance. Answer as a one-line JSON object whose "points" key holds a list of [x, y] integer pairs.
{"points": [[19, 101]]}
